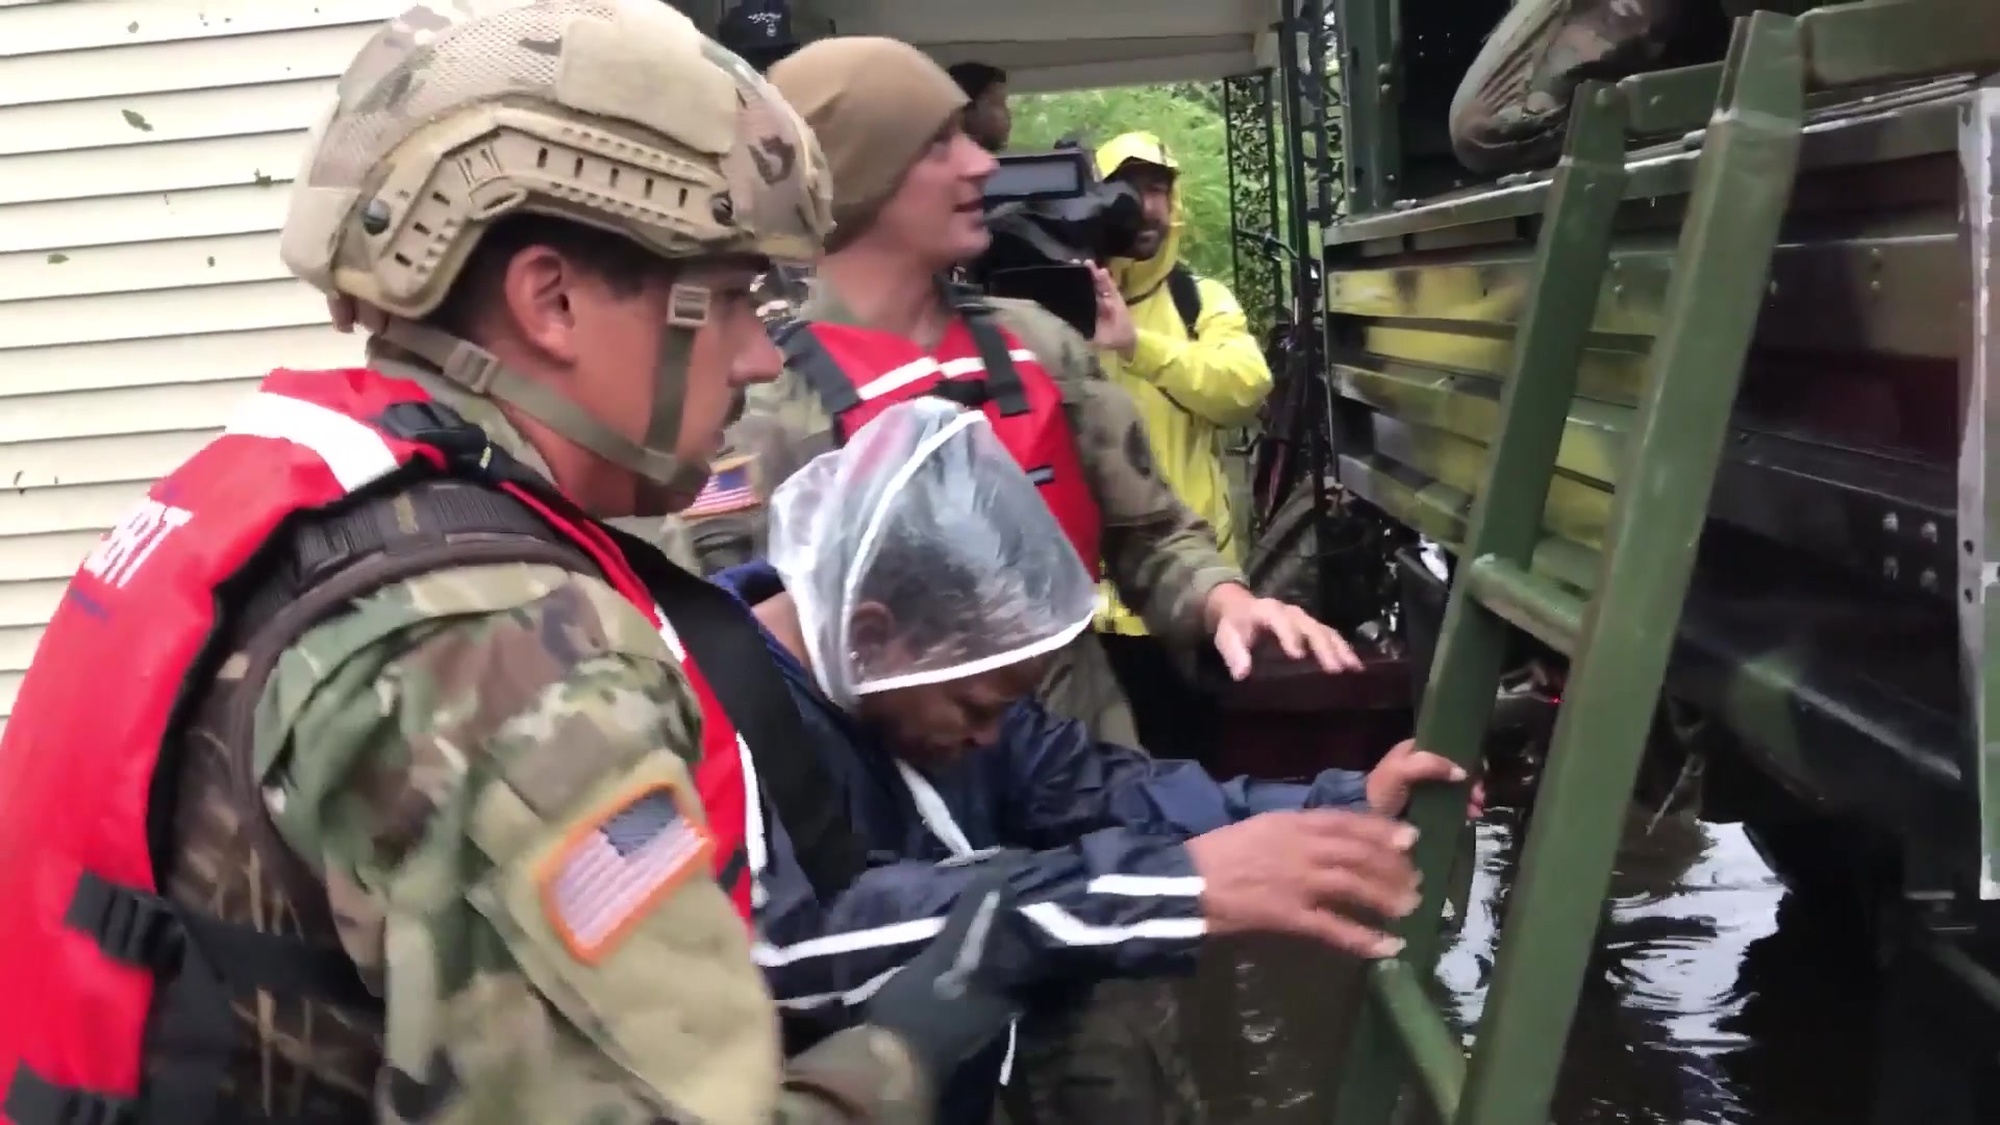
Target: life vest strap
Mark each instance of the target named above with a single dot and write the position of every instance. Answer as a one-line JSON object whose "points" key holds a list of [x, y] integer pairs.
{"points": [[142, 928], [203, 965], [1003, 381], [728, 646]]}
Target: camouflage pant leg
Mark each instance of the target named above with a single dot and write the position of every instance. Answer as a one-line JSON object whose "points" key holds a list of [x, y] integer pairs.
{"points": [[1115, 1056], [1513, 102], [1081, 686]]}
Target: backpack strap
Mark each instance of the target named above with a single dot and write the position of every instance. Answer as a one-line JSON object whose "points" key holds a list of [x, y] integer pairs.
{"points": [[1185, 289], [728, 645], [204, 966]]}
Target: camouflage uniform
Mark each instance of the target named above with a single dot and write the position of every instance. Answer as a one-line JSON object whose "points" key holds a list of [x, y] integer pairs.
{"points": [[422, 753], [1513, 103], [416, 756], [1162, 557]]}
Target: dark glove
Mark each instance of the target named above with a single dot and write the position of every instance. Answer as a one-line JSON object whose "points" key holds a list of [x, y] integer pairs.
{"points": [[948, 1003]]}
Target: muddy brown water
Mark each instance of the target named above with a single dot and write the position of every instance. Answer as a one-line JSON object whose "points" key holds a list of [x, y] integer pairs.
{"points": [[1715, 998]]}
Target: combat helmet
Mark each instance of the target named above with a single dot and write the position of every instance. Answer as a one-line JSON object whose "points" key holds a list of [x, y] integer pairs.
{"points": [[615, 114]]}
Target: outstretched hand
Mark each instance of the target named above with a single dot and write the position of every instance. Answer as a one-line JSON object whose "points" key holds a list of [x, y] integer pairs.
{"points": [[1238, 618], [1331, 875], [1404, 768]]}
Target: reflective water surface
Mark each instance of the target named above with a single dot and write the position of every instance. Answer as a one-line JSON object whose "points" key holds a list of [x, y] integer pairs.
{"points": [[1715, 998]]}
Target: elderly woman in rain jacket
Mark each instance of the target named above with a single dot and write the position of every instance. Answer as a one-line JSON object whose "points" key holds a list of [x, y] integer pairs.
{"points": [[916, 589]]}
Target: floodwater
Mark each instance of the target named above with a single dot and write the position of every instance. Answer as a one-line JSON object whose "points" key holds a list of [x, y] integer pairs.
{"points": [[1715, 998]]}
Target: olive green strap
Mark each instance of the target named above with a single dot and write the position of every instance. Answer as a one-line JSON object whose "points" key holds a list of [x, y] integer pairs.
{"points": [[482, 373]]}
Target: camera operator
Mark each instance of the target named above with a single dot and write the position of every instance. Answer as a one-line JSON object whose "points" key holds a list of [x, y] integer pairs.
{"points": [[1193, 369]]}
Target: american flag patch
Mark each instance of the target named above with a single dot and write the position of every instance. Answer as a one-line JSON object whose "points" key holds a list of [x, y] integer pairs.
{"points": [[729, 489], [613, 871]]}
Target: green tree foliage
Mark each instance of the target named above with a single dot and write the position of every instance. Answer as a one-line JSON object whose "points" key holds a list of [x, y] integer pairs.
{"points": [[1186, 116]]}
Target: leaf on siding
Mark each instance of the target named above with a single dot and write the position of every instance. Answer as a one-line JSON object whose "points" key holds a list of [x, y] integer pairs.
{"points": [[58, 259], [136, 121]]}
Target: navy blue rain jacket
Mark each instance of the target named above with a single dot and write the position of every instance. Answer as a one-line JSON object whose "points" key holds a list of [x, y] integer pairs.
{"points": [[1108, 889]]}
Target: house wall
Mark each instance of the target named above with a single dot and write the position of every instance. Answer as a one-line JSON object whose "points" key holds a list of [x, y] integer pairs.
{"points": [[145, 152]]}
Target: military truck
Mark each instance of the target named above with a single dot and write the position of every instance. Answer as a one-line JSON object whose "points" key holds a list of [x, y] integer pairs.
{"points": [[1699, 417]]}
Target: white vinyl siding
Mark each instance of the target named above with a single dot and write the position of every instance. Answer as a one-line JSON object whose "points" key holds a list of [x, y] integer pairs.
{"points": [[146, 147], [145, 151]]}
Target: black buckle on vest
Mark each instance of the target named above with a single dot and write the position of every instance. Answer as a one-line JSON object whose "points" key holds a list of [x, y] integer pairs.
{"points": [[973, 394], [34, 1100], [438, 426], [470, 453], [1003, 382], [133, 926]]}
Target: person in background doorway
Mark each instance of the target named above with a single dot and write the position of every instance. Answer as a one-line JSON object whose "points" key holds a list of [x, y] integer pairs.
{"points": [[987, 118], [1194, 371]]}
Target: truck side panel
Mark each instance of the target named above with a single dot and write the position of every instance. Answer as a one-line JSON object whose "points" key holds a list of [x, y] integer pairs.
{"points": [[1822, 623]]}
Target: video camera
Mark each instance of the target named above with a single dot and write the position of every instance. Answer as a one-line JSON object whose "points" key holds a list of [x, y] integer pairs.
{"points": [[1049, 214]]}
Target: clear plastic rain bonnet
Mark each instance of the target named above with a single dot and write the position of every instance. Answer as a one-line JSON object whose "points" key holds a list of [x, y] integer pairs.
{"points": [[925, 514]]}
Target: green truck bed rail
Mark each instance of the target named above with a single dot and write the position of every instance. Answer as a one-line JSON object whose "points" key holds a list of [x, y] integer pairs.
{"points": [[1619, 637]]}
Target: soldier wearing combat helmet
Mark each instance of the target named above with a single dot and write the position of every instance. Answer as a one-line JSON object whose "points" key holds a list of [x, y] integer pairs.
{"points": [[423, 803]]}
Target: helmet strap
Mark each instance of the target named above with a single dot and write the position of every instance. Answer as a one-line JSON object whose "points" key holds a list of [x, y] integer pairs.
{"points": [[481, 372]]}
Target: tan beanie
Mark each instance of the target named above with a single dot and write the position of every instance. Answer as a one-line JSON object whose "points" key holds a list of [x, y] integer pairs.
{"points": [[875, 104]]}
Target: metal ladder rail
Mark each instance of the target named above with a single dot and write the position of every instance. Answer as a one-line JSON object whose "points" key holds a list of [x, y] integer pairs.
{"points": [[1742, 185]]}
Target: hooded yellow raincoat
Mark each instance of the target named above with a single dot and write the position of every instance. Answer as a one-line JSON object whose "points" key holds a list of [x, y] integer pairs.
{"points": [[1188, 390]]}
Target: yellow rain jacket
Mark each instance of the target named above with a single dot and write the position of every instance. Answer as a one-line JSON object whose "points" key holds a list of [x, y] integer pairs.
{"points": [[1188, 390]]}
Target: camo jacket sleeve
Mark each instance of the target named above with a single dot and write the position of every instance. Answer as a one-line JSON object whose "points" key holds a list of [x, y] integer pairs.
{"points": [[1157, 551], [782, 428], [489, 766]]}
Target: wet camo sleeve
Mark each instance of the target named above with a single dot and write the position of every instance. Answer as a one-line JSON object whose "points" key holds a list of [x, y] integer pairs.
{"points": [[490, 768], [783, 427], [1158, 552]]}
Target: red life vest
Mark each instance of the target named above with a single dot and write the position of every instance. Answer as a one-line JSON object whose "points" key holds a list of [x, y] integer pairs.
{"points": [[104, 695], [859, 372]]}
